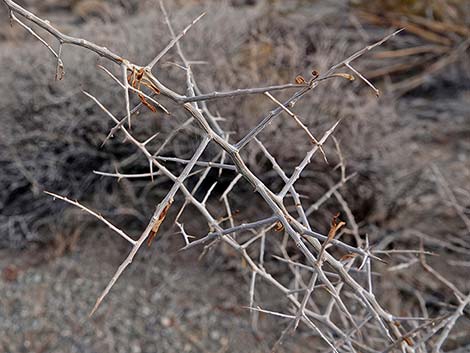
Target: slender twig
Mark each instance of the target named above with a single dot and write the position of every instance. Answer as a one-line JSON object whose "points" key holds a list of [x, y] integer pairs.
{"points": [[173, 42], [302, 126], [93, 213]]}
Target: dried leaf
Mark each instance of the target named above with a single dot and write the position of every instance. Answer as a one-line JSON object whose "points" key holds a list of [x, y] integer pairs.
{"points": [[408, 340], [147, 104], [279, 227], [130, 76], [139, 74], [344, 75], [156, 226], [347, 257], [136, 78], [335, 226], [300, 80], [149, 84]]}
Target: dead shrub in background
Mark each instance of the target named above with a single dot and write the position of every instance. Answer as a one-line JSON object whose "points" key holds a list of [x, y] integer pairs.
{"points": [[247, 59]]}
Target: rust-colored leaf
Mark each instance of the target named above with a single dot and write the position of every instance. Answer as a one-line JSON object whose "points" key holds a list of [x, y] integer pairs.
{"points": [[279, 227], [134, 82], [147, 104], [408, 341], [138, 77], [336, 224], [150, 85], [139, 74], [300, 80], [347, 257], [156, 226]]}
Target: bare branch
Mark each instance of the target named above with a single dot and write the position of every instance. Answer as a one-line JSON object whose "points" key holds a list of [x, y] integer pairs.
{"points": [[93, 213]]}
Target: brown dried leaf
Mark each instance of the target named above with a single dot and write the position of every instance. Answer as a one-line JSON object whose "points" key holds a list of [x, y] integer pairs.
{"points": [[156, 226], [300, 80], [347, 257], [344, 75], [147, 83], [139, 74], [408, 340], [136, 78], [147, 104], [279, 227], [129, 77], [335, 226]]}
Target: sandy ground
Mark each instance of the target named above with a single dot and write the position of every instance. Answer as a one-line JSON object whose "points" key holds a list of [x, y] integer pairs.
{"points": [[162, 304]]}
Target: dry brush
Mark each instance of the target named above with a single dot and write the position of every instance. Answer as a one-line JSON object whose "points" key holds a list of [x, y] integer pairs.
{"points": [[331, 288]]}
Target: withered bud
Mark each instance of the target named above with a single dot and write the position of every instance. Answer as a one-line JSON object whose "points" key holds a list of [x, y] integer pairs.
{"points": [[300, 80]]}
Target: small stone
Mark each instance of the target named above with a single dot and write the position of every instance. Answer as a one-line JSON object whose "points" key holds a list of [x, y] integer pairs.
{"points": [[215, 335], [166, 321], [146, 311]]}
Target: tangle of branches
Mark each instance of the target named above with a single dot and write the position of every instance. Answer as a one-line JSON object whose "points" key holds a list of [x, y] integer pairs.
{"points": [[332, 288]]}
